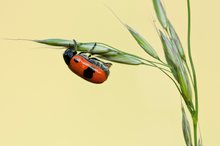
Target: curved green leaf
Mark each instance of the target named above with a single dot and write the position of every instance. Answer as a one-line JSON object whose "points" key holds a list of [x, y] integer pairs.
{"points": [[122, 58], [185, 86], [177, 41], [168, 51], [102, 50], [177, 68], [56, 42], [161, 14], [99, 48], [169, 54], [186, 128], [143, 43]]}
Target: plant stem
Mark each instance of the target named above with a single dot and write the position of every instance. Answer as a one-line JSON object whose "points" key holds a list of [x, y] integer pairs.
{"points": [[173, 81], [195, 115], [195, 131], [190, 75], [153, 65], [152, 62], [163, 70], [159, 63]]}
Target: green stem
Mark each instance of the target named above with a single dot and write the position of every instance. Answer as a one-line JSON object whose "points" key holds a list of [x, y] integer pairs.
{"points": [[195, 123], [190, 75], [173, 81], [195, 115], [153, 65], [151, 62], [163, 70], [163, 62], [159, 63]]}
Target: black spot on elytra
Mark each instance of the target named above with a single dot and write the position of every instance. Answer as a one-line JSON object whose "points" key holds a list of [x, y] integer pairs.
{"points": [[76, 60], [88, 73]]}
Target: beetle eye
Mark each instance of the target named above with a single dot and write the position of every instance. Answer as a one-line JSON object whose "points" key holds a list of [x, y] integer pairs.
{"points": [[76, 60]]}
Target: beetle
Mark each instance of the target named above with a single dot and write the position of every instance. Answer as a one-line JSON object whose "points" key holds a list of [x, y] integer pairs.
{"points": [[85, 66]]}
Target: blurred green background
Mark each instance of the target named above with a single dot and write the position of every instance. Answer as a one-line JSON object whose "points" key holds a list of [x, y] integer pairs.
{"points": [[42, 103]]}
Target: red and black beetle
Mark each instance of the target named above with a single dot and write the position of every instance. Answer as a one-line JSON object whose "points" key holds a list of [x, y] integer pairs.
{"points": [[90, 69]]}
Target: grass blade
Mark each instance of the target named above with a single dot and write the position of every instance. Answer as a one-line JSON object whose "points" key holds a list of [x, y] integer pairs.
{"points": [[143, 43], [169, 53], [102, 50], [167, 47], [177, 68], [122, 58], [186, 128], [185, 86], [130, 59], [56, 42], [177, 41], [99, 48], [161, 14]]}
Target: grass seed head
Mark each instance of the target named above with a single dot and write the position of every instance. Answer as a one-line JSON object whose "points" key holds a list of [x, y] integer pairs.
{"points": [[161, 14], [176, 40], [143, 43]]}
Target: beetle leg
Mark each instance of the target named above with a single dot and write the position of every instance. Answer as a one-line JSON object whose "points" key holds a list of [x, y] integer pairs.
{"points": [[93, 47], [73, 47], [90, 50]]}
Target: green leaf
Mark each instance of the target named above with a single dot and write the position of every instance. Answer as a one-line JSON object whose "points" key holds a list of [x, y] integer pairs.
{"points": [[122, 58], [177, 68], [143, 43], [109, 53], [168, 51], [169, 55], [177, 41], [185, 86], [161, 14], [83, 47], [99, 48], [102, 50], [186, 128], [56, 42]]}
